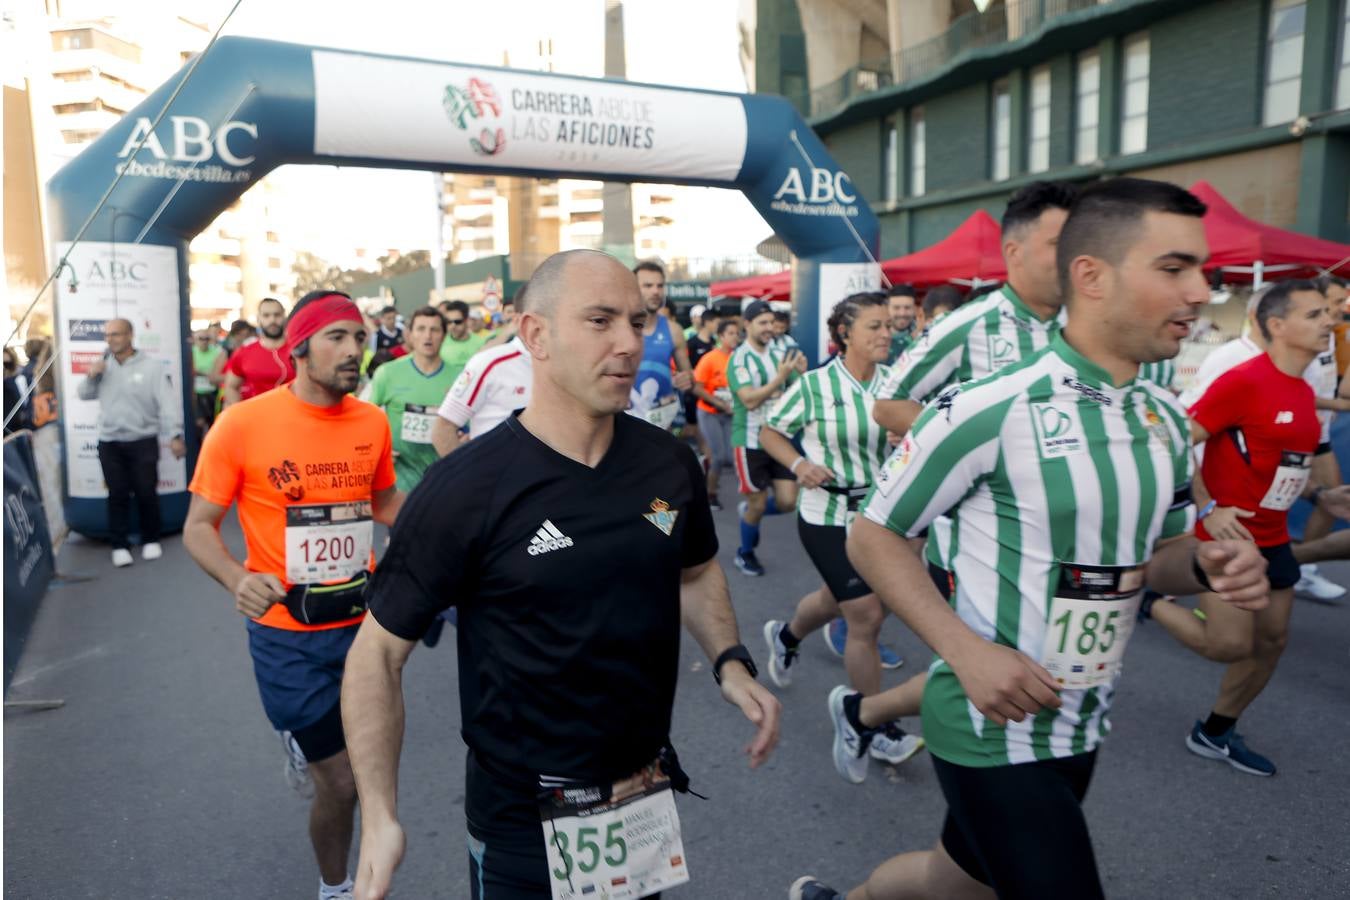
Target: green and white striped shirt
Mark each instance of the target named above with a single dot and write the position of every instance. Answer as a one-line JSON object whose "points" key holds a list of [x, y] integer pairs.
{"points": [[973, 341], [970, 342], [833, 413], [750, 368], [1163, 373], [1045, 468]]}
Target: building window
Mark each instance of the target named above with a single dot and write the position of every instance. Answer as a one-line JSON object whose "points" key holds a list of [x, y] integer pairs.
{"points": [[1038, 131], [1134, 95], [890, 174], [1001, 164], [1284, 61], [1088, 91], [1343, 81], [918, 153]]}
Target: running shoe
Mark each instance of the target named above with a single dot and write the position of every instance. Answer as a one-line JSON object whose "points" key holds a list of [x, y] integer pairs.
{"points": [[748, 563], [714, 504], [297, 767], [780, 657], [836, 636], [807, 888], [1229, 747], [894, 745], [153, 551], [121, 557], [1311, 584], [889, 658], [850, 746]]}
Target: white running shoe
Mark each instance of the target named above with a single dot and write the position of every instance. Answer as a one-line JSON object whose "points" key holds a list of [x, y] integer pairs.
{"points": [[1311, 584], [297, 767], [780, 657], [152, 550], [850, 747], [122, 557], [894, 745]]}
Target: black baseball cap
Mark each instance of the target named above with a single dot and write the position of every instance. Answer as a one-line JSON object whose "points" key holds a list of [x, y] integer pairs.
{"points": [[757, 309]]}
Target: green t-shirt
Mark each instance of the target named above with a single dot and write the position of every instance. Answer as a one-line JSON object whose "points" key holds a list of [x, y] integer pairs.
{"points": [[457, 353], [410, 399], [204, 361]]}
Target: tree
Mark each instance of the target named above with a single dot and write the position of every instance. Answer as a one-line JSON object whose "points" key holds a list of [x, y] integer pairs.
{"points": [[312, 273]]}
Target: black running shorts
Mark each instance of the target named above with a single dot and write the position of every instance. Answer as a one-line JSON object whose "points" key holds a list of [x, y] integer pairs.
{"points": [[825, 545], [1020, 829]]}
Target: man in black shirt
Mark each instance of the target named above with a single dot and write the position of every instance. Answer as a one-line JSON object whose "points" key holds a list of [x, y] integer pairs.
{"points": [[574, 541], [389, 336]]}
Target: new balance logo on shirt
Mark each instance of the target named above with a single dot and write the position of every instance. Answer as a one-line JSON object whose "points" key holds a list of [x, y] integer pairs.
{"points": [[547, 539], [1284, 417]]}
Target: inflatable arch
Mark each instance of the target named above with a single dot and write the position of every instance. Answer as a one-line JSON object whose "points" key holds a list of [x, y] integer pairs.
{"points": [[252, 105]]}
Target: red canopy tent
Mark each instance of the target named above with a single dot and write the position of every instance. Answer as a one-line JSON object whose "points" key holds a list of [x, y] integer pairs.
{"points": [[1240, 245], [970, 255], [765, 287]]}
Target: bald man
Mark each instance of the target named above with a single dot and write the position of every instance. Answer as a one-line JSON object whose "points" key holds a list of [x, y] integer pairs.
{"points": [[574, 539], [138, 405]]}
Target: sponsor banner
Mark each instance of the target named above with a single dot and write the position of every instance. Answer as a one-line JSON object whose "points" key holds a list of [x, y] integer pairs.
{"points": [[138, 282], [837, 281], [187, 148], [417, 111], [29, 562], [816, 192]]}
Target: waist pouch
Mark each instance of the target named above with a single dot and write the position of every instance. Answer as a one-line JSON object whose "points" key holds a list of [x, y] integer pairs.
{"points": [[318, 604], [854, 496]]}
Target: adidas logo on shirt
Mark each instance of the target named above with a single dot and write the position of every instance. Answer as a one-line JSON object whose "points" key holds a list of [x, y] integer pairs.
{"points": [[547, 539]]}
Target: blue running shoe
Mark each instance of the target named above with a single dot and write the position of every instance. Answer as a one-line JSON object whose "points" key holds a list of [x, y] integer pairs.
{"points": [[889, 658], [1229, 747], [748, 563], [836, 635], [808, 888]]}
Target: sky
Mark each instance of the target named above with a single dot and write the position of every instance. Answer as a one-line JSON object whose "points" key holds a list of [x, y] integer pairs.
{"points": [[698, 47]]}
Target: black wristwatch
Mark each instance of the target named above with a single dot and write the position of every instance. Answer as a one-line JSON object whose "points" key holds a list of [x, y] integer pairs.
{"points": [[738, 653]]}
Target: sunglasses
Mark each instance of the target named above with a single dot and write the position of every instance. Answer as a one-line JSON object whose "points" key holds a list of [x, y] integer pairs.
{"points": [[454, 321]]}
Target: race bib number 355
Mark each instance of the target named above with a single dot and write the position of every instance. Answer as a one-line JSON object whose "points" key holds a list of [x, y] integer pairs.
{"points": [[328, 541], [616, 849]]}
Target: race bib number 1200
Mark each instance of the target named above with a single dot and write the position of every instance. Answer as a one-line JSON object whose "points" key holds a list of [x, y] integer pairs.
{"points": [[328, 541]]}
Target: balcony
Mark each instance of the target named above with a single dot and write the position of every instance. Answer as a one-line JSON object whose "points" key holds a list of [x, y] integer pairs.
{"points": [[1017, 20]]}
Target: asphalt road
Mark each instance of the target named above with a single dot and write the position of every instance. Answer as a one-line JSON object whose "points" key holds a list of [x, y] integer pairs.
{"points": [[160, 778]]}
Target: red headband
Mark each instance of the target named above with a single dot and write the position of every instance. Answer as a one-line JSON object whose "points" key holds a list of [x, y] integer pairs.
{"points": [[318, 314]]}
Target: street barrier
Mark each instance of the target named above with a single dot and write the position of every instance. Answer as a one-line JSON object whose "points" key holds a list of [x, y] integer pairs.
{"points": [[29, 561]]}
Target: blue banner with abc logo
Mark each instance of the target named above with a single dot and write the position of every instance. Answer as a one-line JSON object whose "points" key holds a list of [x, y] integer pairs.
{"points": [[29, 565]]}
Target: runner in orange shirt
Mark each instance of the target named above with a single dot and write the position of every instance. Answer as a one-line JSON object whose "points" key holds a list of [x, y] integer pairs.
{"points": [[714, 402], [311, 469]]}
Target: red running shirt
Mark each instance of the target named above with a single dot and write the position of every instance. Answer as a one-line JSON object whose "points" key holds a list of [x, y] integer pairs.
{"points": [[261, 368], [1263, 432]]}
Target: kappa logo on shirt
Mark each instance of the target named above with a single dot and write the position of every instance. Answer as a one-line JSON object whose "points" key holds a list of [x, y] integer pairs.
{"points": [[1284, 417], [547, 539]]}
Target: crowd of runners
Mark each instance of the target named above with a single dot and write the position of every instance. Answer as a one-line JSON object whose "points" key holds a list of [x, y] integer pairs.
{"points": [[1011, 474]]}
